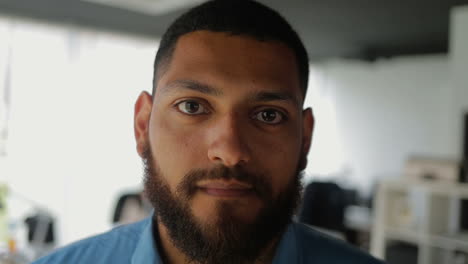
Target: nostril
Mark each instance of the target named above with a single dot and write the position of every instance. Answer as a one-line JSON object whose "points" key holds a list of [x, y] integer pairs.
{"points": [[229, 155]]}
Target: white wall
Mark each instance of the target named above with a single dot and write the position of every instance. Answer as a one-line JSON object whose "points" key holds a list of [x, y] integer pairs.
{"points": [[387, 111], [378, 114]]}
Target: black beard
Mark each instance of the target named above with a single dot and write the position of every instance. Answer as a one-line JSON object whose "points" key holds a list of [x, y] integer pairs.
{"points": [[229, 240]]}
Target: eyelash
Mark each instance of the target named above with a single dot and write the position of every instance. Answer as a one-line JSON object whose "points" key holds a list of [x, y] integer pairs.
{"points": [[284, 116], [178, 103]]}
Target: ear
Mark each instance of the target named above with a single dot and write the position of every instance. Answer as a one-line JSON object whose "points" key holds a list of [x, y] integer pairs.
{"points": [[308, 123], [142, 115]]}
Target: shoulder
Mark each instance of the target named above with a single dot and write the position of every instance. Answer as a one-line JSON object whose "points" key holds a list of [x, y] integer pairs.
{"points": [[316, 247], [115, 246]]}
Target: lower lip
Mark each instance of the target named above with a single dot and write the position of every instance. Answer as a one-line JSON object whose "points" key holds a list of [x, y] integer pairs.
{"points": [[228, 193]]}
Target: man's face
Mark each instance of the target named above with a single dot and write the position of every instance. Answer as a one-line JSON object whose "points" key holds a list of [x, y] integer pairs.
{"points": [[226, 127]]}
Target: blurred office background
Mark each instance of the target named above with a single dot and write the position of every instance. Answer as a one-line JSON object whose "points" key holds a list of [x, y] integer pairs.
{"points": [[388, 86]]}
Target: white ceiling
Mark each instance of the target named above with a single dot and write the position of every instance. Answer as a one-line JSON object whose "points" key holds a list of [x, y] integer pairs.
{"points": [[150, 7], [358, 29]]}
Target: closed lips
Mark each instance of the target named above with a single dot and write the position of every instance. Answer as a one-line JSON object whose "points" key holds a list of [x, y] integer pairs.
{"points": [[225, 185], [226, 189]]}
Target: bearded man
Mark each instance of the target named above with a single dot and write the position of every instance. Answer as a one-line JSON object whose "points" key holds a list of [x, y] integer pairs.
{"points": [[224, 138]]}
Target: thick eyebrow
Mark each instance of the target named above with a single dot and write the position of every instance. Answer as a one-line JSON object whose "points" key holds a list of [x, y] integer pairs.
{"points": [[275, 96], [260, 96], [191, 85]]}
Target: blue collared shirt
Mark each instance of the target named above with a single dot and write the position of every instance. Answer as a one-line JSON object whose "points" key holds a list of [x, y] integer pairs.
{"points": [[134, 244]]}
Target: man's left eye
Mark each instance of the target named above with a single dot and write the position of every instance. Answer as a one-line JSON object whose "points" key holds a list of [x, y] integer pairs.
{"points": [[191, 108], [270, 116]]}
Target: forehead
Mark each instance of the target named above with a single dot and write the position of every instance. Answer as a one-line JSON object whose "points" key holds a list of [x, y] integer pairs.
{"points": [[233, 63]]}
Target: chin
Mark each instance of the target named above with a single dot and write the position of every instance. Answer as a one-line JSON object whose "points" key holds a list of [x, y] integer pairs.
{"points": [[221, 210]]}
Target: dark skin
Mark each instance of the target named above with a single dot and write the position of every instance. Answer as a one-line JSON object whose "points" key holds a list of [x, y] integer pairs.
{"points": [[229, 100]]}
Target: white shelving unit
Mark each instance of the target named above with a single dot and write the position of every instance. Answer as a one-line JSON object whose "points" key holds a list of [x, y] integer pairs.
{"points": [[422, 213]]}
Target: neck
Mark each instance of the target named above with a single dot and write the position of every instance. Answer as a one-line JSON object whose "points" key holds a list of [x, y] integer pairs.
{"points": [[170, 254]]}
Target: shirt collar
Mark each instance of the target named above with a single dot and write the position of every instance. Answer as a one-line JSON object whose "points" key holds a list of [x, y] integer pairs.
{"points": [[146, 250], [287, 250]]}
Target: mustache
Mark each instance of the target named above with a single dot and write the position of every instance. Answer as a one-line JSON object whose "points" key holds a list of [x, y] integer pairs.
{"points": [[260, 186]]}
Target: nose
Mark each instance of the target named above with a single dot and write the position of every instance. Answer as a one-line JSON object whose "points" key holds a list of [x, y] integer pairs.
{"points": [[227, 143]]}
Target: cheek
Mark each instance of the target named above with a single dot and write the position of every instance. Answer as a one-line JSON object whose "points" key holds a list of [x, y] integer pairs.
{"points": [[176, 150], [278, 156]]}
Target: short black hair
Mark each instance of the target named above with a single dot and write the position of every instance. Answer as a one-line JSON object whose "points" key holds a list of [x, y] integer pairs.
{"points": [[236, 17]]}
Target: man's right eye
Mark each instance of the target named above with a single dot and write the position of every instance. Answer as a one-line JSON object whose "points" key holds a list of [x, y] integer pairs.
{"points": [[191, 108]]}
